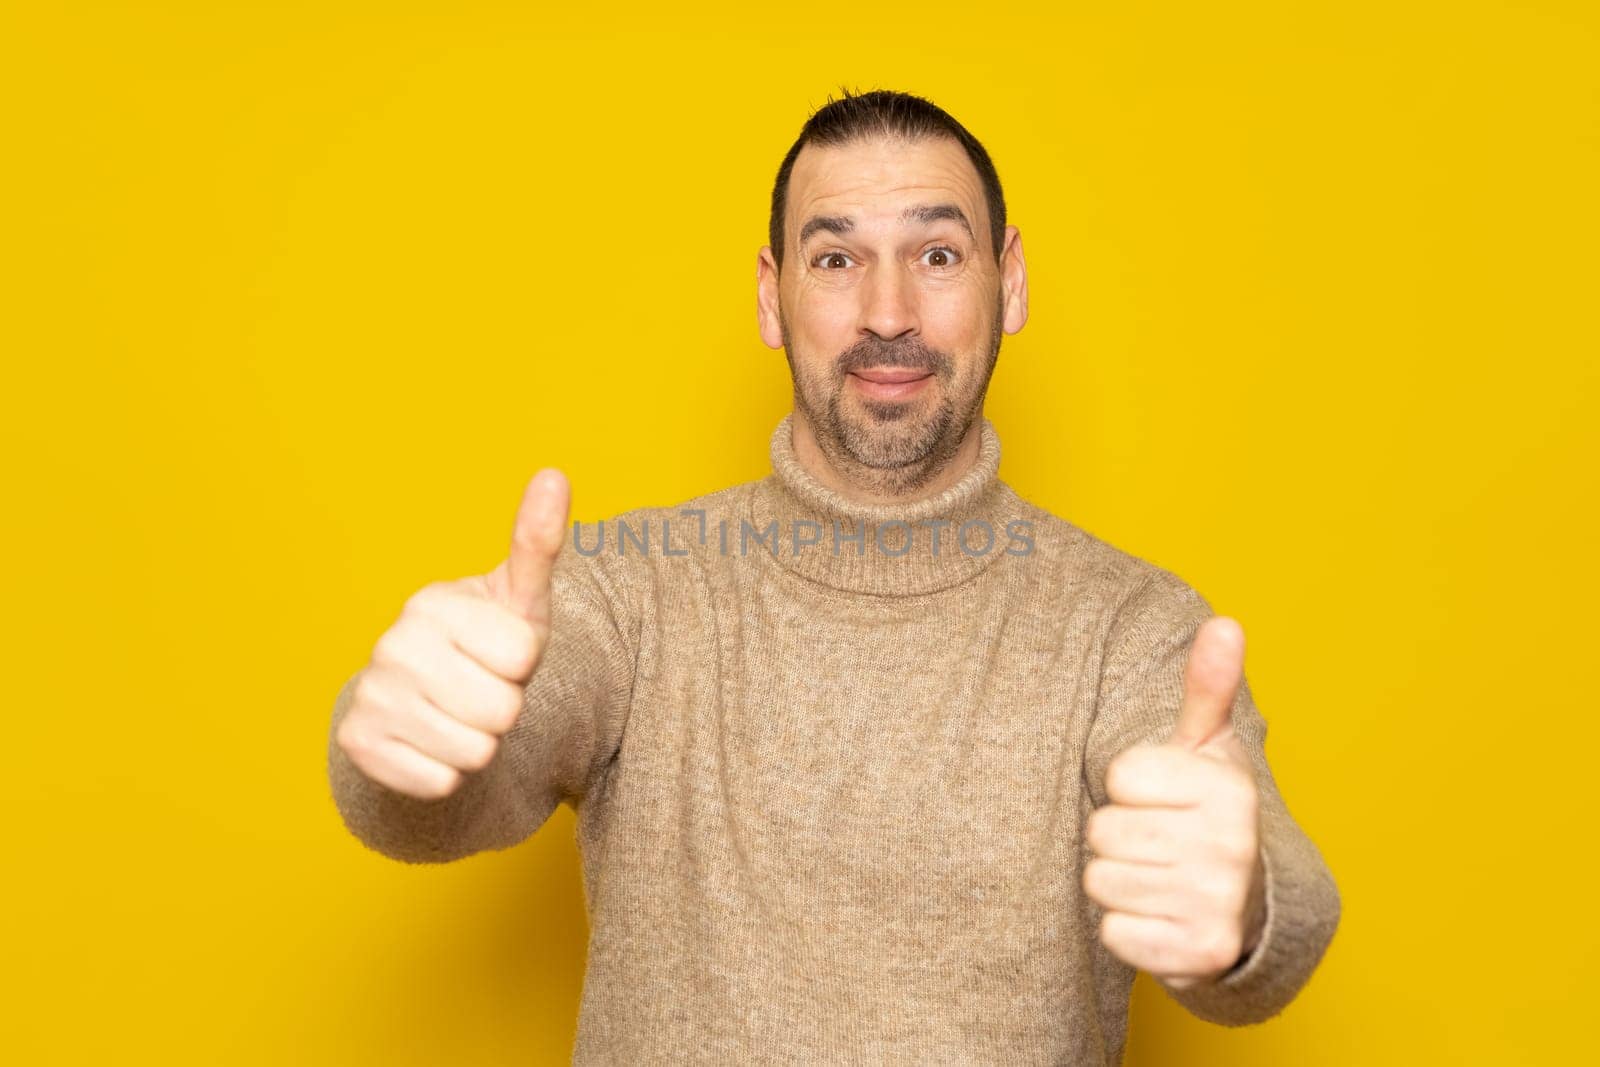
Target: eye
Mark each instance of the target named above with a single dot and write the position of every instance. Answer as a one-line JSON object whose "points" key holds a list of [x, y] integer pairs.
{"points": [[942, 257], [831, 260]]}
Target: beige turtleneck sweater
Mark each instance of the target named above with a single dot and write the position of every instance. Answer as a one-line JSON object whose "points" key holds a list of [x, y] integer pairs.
{"points": [[831, 789]]}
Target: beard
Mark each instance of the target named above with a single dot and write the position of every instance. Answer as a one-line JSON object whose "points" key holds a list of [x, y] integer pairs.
{"points": [[891, 446]]}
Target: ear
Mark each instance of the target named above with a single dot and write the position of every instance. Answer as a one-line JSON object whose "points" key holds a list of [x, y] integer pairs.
{"points": [[1014, 278], [767, 298]]}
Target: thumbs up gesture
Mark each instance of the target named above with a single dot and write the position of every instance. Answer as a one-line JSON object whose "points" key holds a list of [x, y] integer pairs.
{"points": [[445, 682], [1177, 867]]}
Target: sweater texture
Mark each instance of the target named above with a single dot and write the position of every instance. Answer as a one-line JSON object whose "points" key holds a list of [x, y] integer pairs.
{"points": [[831, 766]]}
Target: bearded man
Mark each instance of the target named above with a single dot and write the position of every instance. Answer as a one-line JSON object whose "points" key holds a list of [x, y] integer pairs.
{"points": [[871, 759]]}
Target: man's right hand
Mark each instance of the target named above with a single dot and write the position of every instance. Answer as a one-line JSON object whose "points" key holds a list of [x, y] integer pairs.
{"points": [[445, 682]]}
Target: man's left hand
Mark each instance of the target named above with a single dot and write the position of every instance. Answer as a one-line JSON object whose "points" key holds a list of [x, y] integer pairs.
{"points": [[1178, 867]]}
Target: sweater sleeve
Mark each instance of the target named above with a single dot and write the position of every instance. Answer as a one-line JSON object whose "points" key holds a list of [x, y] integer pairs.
{"points": [[1141, 692], [573, 715]]}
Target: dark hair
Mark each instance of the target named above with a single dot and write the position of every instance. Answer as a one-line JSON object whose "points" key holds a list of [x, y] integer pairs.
{"points": [[883, 113]]}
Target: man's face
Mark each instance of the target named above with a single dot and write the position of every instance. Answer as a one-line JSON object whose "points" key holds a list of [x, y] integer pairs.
{"points": [[890, 305]]}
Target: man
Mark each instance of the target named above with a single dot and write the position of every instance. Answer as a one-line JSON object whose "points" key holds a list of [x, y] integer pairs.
{"points": [[871, 758]]}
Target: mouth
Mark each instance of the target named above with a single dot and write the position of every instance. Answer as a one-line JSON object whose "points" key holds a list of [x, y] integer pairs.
{"points": [[891, 383]]}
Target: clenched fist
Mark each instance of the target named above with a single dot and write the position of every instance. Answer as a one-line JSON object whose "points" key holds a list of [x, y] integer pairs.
{"points": [[445, 682], [1177, 864]]}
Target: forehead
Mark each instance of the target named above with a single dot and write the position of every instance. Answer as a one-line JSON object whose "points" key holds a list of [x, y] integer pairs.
{"points": [[878, 177]]}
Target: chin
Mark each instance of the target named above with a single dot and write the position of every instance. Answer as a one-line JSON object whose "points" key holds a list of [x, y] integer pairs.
{"points": [[892, 435], [877, 412]]}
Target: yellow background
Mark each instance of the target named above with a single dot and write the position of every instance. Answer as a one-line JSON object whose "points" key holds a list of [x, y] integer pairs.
{"points": [[297, 296]]}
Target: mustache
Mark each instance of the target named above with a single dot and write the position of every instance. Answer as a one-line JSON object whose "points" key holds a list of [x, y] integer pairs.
{"points": [[873, 351]]}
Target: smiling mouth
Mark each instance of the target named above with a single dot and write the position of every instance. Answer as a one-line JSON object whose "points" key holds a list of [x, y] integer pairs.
{"points": [[890, 383], [892, 375]]}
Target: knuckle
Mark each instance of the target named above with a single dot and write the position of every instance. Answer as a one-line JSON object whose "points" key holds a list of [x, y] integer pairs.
{"points": [[1091, 877], [1126, 770], [1247, 798], [1239, 845], [445, 783], [485, 752], [1219, 890], [424, 600], [354, 742], [524, 647], [1094, 829], [365, 694], [389, 649], [1110, 931], [1117, 776], [1250, 800], [505, 708], [1221, 949], [1250, 816]]}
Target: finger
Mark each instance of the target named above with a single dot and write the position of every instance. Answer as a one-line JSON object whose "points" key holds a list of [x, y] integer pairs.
{"points": [[1153, 943], [492, 634], [434, 733], [1159, 835], [1210, 682], [401, 767], [453, 681], [1161, 775], [1138, 888], [536, 540]]}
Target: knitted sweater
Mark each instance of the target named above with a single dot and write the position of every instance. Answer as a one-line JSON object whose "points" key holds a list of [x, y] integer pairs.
{"points": [[831, 764]]}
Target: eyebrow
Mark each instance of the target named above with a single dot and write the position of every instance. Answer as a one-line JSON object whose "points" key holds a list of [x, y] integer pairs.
{"points": [[923, 213]]}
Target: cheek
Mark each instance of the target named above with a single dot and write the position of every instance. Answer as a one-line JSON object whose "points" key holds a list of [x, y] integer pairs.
{"points": [[956, 322], [822, 321]]}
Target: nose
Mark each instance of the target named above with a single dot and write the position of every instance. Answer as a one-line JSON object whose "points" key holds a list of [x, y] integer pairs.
{"points": [[888, 302]]}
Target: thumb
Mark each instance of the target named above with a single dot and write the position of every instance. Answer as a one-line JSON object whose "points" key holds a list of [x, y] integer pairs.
{"points": [[536, 540], [1210, 682]]}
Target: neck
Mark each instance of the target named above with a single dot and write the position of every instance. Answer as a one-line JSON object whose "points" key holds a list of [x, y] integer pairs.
{"points": [[869, 485], [933, 540]]}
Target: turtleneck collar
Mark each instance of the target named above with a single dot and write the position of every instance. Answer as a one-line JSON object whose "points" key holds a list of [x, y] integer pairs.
{"points": [[917, 546]]}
